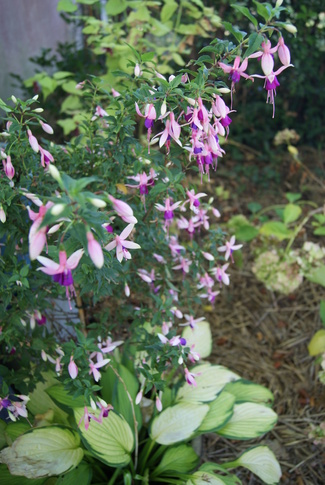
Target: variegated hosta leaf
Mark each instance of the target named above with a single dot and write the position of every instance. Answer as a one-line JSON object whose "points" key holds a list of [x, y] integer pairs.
{"points": [[249, 420], [262, 462], [211, 379], [247, 391], [221, 410], [111, 441], [181, 459], [205, 478], [43, 452], [201, 337], [177, 423]]}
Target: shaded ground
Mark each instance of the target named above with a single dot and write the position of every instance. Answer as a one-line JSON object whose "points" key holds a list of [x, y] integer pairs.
{"points": [[264, 337]]}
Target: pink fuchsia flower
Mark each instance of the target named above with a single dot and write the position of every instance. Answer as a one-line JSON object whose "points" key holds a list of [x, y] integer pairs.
{"points": [[139, 397], [172, 131], [283, 52], [115, 93], [266, 55], [193, 199], [127, 290], [123, 210], [229, 248], [95, 251], [94, 368], [46, 156], [271, 83], [137, 70], [150, 115], [210, 295], [99, 113], [33, 141], [47, 128], [72, 368], [158, 404], [221, 275], [121, 244], [191, 321], [168, 209], [190, 377], [37, 235], [235, 72], [184, 265], [189, 225], [85, 418], [8, 168], [3, 217], [61, 272], [104, 411], [174, 341]]}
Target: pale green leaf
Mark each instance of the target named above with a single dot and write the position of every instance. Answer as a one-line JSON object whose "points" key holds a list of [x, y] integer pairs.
{"points": [[181, 459], [177, 423], [276, 229], [291, 213], [3, 440], [210, 379], [263, 463], [168, 10], [249, 420], [201, 337], [43, 452], [67, 6], [221, 410], [246, 12], [317, 275], [205, 478], [317, 344], [115, 7], [111, 441], [61, 396], [246, 391], [61, 74]]}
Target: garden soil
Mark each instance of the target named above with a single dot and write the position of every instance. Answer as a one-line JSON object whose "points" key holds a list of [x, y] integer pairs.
{"points": [[264, 337]]}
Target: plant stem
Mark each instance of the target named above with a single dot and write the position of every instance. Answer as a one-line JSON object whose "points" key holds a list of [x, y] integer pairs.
{"points": [[114, 476], [136, 450], [300, 226]]}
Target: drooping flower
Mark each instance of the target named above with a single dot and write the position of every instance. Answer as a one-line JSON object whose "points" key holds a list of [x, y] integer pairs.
{"points": [[123, 210], [47, 128], [95, 251], [266, 55], [46, 156], [229, 248], [121, 244], [150, 115], [191, 321], [72, 368], [37, 235], [221, 275], [193, 199], [190, 377], [8, 168], [283, 52], [93, 368], [33, 141], [168, 209], [61, 272]]}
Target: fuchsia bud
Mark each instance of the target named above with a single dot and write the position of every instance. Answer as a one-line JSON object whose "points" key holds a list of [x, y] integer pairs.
{"points": [[123, 210], [32, 141], [158, 404], [2, 215], [72, 368], [283, 52], [138, 397], [137, 70], [127, 290], [95, 251], [47, 128], [9, 168]]}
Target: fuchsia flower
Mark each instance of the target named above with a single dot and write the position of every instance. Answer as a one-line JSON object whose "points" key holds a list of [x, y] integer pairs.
{"points": [[271, 83], [72, 368], [172, 131], [121, 244], [37, 235], [33, 141], [229, 248], [190, 377], [174, 341], [99, 112], [104, 411], [168, 209], [193, 199], [221, 275], [266, 55], [8, 168], [47, 128], [144, 181], [61, 272], [94, 368], [191, 321], [283, 52], [123, 210], [95, 251], [46, 156], [236, 71], [150, 115], [184, 265]]}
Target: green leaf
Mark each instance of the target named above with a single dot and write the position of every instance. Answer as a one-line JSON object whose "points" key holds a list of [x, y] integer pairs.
{"points": [[254, 43], [221, 410], [238, 34], [205, 478], [63, 398], [111, 441], [67, 6], [177, 423], [115, 7], [168, 10], [180, 459], [3, 441], [317, 275], [261, 461], [291, 213], [61, 74], [244, 11], [320, 231], [81, 475], [292, 197], [4, 106], [247, 391], [276, 229], [7, 479], [254, 207], [249, 421], [43, 452], [201, 336], [262, 10], [14, 430], [147, 56], [246, 233], [317, 344], [210, 379]]}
